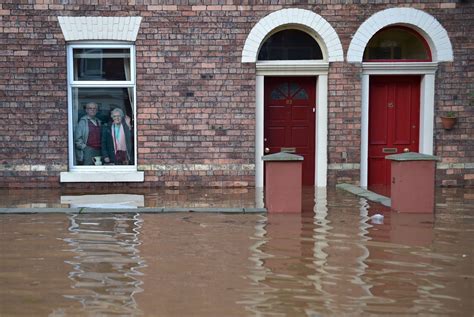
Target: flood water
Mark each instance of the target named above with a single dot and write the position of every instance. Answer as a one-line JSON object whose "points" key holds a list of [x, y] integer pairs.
{"points": [[333, 260]]}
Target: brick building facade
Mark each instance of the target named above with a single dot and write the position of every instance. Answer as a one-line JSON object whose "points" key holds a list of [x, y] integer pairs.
{"points": [[197, 97]]}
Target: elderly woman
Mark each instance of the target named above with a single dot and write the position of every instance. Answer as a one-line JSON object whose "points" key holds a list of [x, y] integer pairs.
{"points": [[117, 140], [87, 138]]}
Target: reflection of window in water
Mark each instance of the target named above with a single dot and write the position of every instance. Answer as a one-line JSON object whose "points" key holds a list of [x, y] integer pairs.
{"points": [[106, 262], [104, 77]]}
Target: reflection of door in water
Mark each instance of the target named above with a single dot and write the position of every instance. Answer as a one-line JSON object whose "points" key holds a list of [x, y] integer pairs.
{"points": [[289, 119], [394, 116]]}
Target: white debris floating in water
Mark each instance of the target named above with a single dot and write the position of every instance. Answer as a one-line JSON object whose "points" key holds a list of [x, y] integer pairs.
{"points": [[377, 219]]}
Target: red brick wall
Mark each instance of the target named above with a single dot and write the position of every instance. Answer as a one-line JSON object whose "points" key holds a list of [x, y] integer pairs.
{"points": [[455, 92], [344, 122], [195, 99], [33, 97]]}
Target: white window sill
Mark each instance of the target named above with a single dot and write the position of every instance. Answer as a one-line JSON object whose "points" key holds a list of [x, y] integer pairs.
{"points": [[102, 177]]}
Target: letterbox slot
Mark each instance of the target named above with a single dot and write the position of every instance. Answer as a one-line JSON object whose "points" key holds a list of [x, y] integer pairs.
{"points": [[288, 149]]}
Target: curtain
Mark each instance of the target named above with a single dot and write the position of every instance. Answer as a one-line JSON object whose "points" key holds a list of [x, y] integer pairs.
{"points": [[126, 65], [75, 118]]}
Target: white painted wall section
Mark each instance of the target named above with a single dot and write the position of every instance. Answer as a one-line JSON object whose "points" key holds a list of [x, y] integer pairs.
{"points": [[427, 114], [259, 118], [364, 145], [321, 145]]}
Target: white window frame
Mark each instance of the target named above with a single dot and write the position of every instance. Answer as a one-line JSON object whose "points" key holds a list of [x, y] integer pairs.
{"points": [[427, 71], [313, 68], [100, 173]]}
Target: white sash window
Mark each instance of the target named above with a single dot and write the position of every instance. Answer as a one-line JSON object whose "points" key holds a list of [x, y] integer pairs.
{"points": [[103, 74]]}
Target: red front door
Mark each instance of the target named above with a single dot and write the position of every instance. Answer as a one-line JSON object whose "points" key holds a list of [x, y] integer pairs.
{"points": [[289, 119], [394, 117]]}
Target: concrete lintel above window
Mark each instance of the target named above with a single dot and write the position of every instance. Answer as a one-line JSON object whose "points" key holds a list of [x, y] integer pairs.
{"points": [[399, 68], [294, 68], [100, 28], [102, 177]]}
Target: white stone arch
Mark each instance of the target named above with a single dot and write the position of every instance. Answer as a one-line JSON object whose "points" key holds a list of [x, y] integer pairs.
{"points": [[308, 20], [433, 32], [441, 51]]}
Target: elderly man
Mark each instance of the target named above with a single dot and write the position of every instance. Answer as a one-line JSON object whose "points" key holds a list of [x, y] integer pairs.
{"points": [[87, 136]]}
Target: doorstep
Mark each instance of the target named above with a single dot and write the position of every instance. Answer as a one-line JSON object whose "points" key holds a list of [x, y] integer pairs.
{"points": [[367, 194]]}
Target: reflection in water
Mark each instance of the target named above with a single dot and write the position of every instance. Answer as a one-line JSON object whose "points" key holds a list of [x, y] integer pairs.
{"points": [[340, 261], [135, 197], [400, 257], [258, 273], [306, 260], [333, 260], [106, 262]]}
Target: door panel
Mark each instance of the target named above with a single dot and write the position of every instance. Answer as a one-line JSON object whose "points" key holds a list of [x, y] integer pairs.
{"points": [[299, 137], [300, 113], [394, 116], [402, 115], [377, 166], [378, 131], [277, 134], [290, 120], [277, 113]]}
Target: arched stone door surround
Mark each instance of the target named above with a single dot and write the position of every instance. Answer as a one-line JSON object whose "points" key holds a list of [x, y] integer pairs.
{"points": [[441, 51], [331, 47]]}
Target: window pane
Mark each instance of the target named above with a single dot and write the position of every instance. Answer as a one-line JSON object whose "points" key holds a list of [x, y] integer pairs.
{"points": [[96, 133], [277, 95], [290, 45], [294, 87], [398, 44], [101, 64], [284, 89], [301, 95]]}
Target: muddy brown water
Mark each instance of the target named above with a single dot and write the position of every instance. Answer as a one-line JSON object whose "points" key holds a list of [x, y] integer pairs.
{"points": [[332, 260]]}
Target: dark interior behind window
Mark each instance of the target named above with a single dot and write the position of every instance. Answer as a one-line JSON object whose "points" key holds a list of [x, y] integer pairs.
{"points": [[290, 45], [397, 43], [101, 64]]}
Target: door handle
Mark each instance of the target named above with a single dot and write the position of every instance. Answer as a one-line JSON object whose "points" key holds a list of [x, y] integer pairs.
{"points": [[406, 150], [267, 150]]}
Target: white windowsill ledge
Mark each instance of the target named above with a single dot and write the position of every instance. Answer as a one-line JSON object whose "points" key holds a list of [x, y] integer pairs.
{"points": [[101, 177]]}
